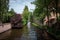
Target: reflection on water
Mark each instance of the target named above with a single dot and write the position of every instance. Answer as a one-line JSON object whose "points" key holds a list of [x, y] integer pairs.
{"points": [[19, 34], [28, 25], [11, 34], [5, 34]]}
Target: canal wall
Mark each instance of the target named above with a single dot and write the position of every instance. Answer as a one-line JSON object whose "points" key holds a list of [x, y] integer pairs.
{"points": [[5, 27]]}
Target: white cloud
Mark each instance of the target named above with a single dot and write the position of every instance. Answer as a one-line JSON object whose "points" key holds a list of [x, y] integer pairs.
{"points": [[18, 5]]}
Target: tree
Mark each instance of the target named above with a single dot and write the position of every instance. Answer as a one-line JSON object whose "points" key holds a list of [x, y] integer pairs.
{"points": [[41, 8], [10, 14], [4, 6], [25, 15]]}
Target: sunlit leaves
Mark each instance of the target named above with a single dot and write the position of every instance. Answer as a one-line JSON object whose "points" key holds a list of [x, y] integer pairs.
{"points": [[25, 15]]}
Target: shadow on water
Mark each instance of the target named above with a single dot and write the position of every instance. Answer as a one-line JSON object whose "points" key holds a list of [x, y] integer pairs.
{"points": [[15, 34], [11, 34]]}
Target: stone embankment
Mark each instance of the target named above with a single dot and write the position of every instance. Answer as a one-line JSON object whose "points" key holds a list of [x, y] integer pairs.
{"points": [[5, 27]]}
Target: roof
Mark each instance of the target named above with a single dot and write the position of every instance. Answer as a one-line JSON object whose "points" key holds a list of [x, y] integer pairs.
{"points": [[16, 17]]}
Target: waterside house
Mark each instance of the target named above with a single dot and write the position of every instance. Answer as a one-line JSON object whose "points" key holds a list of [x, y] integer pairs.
{"points": [[52, 18], [54, 9], [16, 21]]}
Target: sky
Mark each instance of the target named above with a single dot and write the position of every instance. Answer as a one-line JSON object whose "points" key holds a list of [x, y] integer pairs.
{"points": [[18, 5]]}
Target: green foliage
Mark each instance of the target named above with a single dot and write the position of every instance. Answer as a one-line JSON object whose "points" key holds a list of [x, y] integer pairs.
{"points": [[24, 21], [59, 18], [11, 12], [25, 15], [34, 24], [3, 9], [7, 16], [31, 16], [41, 8]]}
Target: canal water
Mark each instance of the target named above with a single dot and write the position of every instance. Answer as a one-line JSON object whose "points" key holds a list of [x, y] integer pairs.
{"points": [[26, 33]]}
